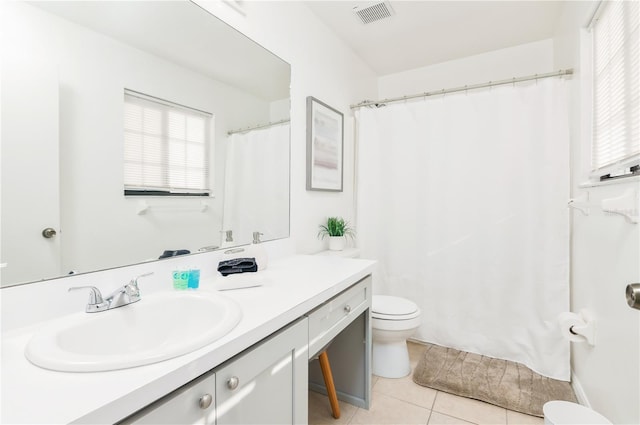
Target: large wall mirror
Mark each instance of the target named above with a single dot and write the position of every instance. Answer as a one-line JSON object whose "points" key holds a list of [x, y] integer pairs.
{"points": [[65, 69]]}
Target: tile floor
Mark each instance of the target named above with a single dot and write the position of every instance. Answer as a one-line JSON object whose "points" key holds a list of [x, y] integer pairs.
{"points": [[401, 401]]}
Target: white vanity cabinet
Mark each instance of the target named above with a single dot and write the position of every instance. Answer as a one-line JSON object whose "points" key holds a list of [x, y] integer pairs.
{"points": [[260, 372], [265, 384]]}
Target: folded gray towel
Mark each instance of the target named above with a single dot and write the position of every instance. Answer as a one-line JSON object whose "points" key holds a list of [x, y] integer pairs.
{"points": [[237, 265]]}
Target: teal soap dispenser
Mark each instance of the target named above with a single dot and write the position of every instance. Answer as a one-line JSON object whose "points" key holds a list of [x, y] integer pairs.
{"points": [[259, 252]]}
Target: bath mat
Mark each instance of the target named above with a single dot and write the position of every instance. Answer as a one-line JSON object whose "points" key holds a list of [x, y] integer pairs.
{"points": [[501, 382]]}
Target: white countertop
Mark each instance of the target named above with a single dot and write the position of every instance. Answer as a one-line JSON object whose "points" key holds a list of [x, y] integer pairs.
{"points": [[291, 287]]}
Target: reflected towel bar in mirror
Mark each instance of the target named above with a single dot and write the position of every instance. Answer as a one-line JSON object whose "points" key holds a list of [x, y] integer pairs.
{"points": [[144, 206]]}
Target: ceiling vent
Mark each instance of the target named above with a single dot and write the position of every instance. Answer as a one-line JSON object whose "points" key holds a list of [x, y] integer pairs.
{"points": [[373, 12]]}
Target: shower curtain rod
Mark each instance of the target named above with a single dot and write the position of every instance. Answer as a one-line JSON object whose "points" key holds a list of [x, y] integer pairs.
{"points": [[244, 130], [514, 80]]}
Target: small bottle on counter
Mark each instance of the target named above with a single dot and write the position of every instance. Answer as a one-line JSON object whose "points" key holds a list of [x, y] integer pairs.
{"points": [[180, 279], [194, 278]]}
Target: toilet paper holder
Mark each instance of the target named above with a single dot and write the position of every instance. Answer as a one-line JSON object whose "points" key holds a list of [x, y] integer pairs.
{"points": [[586, 328], [588, 331]]}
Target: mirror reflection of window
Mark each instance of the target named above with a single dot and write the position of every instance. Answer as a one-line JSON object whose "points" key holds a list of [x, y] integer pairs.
{"points": [[166, 147], [81, 57]]}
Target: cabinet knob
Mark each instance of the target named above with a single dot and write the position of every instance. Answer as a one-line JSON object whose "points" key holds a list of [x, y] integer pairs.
{"points": [[233, 383], [347, 308], [205, 401]]}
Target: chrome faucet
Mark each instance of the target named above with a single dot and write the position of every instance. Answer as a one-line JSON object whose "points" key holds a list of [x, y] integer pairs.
{"points": [[127, 294]]}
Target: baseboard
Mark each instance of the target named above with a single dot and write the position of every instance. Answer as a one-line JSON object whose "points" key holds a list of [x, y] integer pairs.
{"points": [[578, 390], [358, 402]]}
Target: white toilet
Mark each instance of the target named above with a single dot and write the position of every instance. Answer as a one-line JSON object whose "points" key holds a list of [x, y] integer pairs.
{"points": [[559, 412], [393, 320]]}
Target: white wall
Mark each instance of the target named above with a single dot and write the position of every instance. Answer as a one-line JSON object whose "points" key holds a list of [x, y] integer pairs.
{"points": [[518, 61], [322, 67], [605, 252]]}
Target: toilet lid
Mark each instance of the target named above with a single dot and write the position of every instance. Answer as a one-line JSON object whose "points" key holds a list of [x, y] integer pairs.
{"points": [[387, 305]]}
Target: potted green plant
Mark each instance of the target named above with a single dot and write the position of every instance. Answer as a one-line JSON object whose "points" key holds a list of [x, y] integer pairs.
{"points": [[337, 229]]}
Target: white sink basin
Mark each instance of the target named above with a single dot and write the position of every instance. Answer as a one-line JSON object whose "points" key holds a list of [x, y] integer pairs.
{"points": [[156, 328]]}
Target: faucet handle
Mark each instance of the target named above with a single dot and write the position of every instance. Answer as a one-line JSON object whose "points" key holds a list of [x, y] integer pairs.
{"points": [[142, 275], [132, 288], [96, 302], [134, 281]]}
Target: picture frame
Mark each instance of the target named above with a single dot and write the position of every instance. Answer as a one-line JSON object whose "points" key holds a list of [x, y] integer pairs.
{"points": [[325, 146]]}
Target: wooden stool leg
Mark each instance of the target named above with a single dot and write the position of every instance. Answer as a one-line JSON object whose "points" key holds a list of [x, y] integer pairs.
{"points": [[328, 382]]}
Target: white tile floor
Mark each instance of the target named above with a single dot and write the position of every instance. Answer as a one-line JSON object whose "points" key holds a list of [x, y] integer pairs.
{"points": [[401, 401]]}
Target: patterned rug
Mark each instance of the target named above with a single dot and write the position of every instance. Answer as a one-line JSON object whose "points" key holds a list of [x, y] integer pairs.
{"points": [[501, 382]]}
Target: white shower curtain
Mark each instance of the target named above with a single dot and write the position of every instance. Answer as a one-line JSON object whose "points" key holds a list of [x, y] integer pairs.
{"points": [[257, 179], [463, 200]]}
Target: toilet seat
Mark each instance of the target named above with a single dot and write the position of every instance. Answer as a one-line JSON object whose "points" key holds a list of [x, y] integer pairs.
{"points": [[387, 307], [395, 316], [395, 324]]}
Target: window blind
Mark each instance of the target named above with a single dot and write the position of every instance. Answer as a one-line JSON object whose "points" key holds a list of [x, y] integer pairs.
{"points": [[616, 91], [166, 147]]}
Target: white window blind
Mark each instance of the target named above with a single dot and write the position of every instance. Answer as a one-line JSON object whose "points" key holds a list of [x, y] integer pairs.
{"points": [[166, 147], [616, 91]]}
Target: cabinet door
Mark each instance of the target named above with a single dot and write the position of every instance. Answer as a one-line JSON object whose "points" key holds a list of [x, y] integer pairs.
{"points": [[194, 403], [266, 384]]}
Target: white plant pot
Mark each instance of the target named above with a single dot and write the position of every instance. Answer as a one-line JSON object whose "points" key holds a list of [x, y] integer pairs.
{"points": [[336, 243]]}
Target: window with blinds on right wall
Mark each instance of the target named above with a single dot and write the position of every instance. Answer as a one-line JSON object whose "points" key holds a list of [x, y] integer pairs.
{"points": [[616, 90]]}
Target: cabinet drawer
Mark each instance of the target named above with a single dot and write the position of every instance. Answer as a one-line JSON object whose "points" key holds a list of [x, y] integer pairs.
{"points": [[326, 321]]}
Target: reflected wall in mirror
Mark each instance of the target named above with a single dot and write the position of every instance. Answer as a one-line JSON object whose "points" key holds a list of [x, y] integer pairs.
{"points": [[65, 68]]}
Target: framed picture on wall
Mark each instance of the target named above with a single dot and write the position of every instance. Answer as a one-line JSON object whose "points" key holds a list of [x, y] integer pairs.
{"points": [[325, 135]]}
